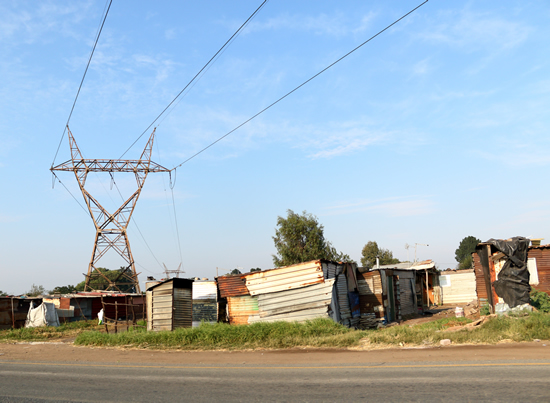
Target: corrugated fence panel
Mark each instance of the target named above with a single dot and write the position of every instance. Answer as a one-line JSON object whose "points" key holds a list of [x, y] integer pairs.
{"points": [[299, 304], [542, 255], [183, 307], [481, 287], [232, 286], [241, 308], [458, 288], [407, 297], [205, 290], [285, 278], [343, 301]]}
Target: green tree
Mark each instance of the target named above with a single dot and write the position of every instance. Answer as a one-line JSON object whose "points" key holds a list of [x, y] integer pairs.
{"points": [[235, 272], [300, 238], [63, 289], [36, 290], [371, 251], [119, 277], [463, 254], [2, 293]]}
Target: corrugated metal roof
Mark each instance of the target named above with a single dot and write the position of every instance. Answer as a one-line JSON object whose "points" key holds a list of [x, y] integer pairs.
{"points": [[207, 290], [232, 286], [285, 278], [296, 305]]}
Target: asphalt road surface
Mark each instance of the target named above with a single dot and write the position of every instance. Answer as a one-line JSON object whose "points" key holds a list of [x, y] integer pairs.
{"points": [[439, 381]]}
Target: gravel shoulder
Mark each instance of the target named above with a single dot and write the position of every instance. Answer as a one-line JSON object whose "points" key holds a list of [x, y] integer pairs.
{"points": [[66, 352]]}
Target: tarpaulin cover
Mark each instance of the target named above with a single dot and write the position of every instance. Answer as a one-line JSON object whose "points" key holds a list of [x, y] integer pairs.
{"points": [[43, 315], [512, 284]]}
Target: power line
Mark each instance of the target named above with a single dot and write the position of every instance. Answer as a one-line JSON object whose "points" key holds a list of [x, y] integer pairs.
{"points": [[83, 77], [198, 74], [298, 87], [75, 199]]}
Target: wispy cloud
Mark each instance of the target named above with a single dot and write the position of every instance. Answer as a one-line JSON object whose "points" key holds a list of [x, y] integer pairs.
{"points": [[333, 25]]}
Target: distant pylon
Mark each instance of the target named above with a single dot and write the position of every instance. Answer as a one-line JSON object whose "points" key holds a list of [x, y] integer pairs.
{"points": [[111, 228], [176, 272]]}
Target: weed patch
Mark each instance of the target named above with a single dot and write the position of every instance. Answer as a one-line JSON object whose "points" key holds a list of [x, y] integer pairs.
{"points": [[69, 329], [316, 333]]}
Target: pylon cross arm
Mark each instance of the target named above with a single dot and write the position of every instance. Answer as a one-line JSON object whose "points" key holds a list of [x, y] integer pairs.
{"points": [[89, 165]]}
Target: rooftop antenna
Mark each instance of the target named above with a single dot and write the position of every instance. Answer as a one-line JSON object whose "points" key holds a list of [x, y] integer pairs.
{"points": [[415, 245]]}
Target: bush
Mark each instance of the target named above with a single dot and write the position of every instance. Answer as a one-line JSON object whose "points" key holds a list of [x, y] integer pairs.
{"points": [[540, 300]]}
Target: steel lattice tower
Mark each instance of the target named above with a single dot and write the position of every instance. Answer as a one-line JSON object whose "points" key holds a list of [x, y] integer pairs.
{"points": [[111, 229]]}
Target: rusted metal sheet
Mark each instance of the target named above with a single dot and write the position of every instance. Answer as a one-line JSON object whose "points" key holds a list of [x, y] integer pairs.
{"points": [[481, 284], [232, 286], [542, 256], [296, 305], [458, 287], [242, 310], [14, 310], [285, 278]]}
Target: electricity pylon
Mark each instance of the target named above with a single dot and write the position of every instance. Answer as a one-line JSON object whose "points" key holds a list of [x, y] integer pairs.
{"points": [[111, 228]]}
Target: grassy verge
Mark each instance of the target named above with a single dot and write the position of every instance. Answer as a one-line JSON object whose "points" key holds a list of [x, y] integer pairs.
{"points": [[316, 333], [527, 328], [69, 329]]}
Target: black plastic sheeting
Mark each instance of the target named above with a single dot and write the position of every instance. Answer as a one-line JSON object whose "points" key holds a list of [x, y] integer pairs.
{"points": [[512, 284]]}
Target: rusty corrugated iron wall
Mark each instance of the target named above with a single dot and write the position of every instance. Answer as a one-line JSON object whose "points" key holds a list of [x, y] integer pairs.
{"points": [[481, 285], [285, 278], [242, 310], [542, 256], [232, 286]]}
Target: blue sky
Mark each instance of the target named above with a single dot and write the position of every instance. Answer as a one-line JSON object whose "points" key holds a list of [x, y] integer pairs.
{"points": [[435, 130]]}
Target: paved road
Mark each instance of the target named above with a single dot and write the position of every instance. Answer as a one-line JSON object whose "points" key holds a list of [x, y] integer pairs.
{"points": [[439, 381]]}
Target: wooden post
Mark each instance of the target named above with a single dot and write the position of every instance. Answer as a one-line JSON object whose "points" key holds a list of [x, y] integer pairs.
{"points": [[12, 314], [104, 317], [133, 312], [116, 316]]}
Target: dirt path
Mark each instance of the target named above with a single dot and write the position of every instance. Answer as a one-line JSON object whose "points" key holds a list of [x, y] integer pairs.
{"points": [[66, 352]]}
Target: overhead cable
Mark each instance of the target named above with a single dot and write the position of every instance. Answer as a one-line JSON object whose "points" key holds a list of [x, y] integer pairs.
{"points": [[198, 74], [298, 87], [82, 81]]}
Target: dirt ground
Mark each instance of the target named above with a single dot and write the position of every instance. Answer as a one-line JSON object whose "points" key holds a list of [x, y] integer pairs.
{"points": [[67, 352]]}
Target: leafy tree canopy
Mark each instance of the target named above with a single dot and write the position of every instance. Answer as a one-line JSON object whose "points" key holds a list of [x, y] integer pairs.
{"points": [[300, 238], [371, 251], [2, 293], [64, 289], [235, 272], [466, 248], [36, 290], [97, 282]]}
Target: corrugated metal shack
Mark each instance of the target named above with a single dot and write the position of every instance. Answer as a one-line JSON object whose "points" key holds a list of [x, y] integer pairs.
{"points": [[170, 304], [457, 286], [292, 293], [205, 302], [392, 292], [538, 265], [14, 310]]}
